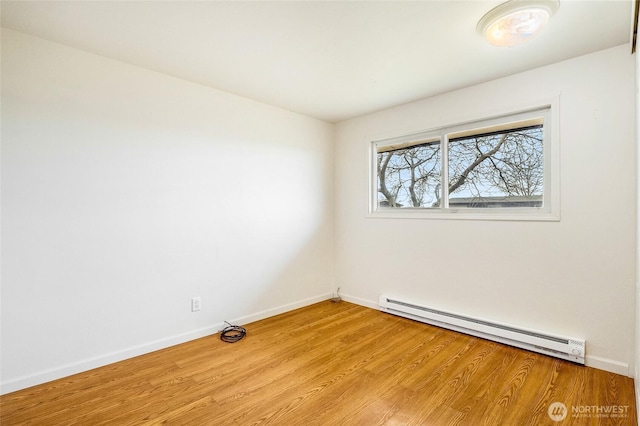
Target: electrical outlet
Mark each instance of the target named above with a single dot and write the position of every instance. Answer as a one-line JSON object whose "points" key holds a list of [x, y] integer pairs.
{"points": [[195, 304]]}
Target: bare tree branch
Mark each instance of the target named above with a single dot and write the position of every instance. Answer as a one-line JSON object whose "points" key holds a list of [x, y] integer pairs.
{"points": [[463, 176]]}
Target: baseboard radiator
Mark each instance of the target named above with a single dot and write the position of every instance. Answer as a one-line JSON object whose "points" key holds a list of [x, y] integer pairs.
{"points": [[560, 347]]}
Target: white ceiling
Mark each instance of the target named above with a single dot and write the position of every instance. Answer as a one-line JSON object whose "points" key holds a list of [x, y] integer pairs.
{"points": [[327, 59]]}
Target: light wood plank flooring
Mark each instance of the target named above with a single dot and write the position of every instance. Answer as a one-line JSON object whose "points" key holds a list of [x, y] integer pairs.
{"points": [[330, 364]]}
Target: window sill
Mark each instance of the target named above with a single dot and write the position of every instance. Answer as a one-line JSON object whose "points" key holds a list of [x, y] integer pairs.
{"points": [[527, 215]]}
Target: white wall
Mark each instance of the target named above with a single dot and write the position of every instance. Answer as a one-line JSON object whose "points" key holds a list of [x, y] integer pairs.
{"points": [[575, 277], [637, 295], [125, 193]]}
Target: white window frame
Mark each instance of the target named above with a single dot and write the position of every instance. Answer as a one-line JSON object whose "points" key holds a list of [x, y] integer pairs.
{"points": [[550, 210]]}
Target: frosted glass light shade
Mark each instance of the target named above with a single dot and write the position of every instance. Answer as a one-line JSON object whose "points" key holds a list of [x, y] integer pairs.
{"points": [[516, 21]]}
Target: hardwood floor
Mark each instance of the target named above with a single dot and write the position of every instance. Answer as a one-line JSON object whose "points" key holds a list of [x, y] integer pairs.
{"points": [[331, 364]]}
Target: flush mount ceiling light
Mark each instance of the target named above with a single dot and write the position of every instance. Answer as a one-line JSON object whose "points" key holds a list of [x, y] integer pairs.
{"points": [[516, 21]]}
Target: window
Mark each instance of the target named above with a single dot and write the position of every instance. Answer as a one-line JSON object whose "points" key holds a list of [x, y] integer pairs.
{"points": [[499, 168]]}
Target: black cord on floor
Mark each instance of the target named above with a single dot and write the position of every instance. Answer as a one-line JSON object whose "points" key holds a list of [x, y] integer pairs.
{"points": [[232, 333]]}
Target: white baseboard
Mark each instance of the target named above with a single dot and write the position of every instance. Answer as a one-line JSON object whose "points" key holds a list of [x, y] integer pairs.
{"points": [[608, 365], [100, 361], [280, 309], [359, 301]]}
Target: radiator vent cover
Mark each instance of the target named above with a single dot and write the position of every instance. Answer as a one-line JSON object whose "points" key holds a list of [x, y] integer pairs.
{"points": [[570, 349]]}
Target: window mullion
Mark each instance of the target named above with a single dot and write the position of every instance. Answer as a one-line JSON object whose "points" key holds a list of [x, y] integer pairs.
{"points": [[444, 184]]}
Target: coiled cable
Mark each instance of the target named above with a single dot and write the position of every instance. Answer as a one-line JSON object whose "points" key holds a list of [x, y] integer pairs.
{"points": [[232, 333]]}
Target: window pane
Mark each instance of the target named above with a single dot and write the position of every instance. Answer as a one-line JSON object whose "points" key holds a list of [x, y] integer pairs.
{"points": [[503, 168], [409, 175]]}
